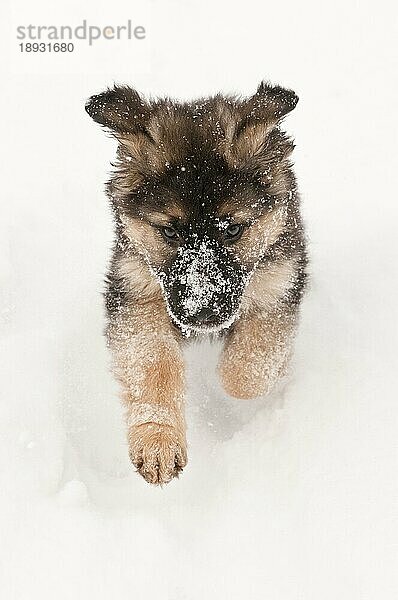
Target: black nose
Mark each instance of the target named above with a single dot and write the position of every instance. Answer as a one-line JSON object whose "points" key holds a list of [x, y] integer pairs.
{"points": [[206, 315]]}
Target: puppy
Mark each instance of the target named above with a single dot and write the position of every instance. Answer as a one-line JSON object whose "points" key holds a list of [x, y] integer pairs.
{"points": [[209, 241]]}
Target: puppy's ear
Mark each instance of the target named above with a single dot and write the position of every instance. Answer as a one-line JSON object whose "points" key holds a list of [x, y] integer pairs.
{"points": [[121, 109], [270, 103], [257, 117], [127, 116]]}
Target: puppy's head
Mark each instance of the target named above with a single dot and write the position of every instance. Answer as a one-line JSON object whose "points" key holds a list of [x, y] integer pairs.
{"points": [[202, 191]]}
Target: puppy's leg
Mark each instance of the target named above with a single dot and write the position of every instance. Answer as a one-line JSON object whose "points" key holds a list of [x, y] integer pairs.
{"points": [[256, 353], [149, 364]]}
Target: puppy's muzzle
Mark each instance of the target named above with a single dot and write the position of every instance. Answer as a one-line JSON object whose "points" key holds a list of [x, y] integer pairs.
{"points": [[203, 286]]}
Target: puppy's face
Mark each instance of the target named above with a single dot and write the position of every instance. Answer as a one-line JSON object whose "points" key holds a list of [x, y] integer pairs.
{"points": [[202, 229], [201, 201]]}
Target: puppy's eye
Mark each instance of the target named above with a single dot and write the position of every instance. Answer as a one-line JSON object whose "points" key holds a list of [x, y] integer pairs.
{"points": [[169, 234], [233, 232]]}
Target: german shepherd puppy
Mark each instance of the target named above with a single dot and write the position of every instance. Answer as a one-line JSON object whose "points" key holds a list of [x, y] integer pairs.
{"points": [[209, 240]]}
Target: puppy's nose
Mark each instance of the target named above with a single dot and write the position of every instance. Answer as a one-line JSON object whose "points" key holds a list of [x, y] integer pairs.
{"points": [[206, 314]]}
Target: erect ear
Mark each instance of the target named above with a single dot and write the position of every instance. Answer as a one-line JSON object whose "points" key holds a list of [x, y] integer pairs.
{"points": [[256, 118], [121, 109]]}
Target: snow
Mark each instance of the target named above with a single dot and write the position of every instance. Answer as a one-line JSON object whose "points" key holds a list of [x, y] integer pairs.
{"points": [[289, 497], [202, 281]]}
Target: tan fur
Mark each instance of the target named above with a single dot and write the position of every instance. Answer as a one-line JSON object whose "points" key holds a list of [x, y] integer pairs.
{"points": [[261, 234], [173, 212], [246, 145], [158, 451], [237, 214], [144, 153], [139, 280], [228, 119], [149, 365], [167, 132], [146, 239], [269, 285], [276, 179], [256, 353]]}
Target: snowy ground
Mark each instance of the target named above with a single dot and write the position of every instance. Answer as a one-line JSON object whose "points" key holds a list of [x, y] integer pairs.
{"points": [[289, 497]]}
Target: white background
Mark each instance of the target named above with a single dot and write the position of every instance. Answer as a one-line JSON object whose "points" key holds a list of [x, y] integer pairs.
{"points": [[289, 497]]}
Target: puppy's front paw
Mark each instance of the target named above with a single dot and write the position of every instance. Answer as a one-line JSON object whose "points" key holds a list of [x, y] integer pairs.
{"points": [[240, 383], [247, 379], [158, 452]]}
